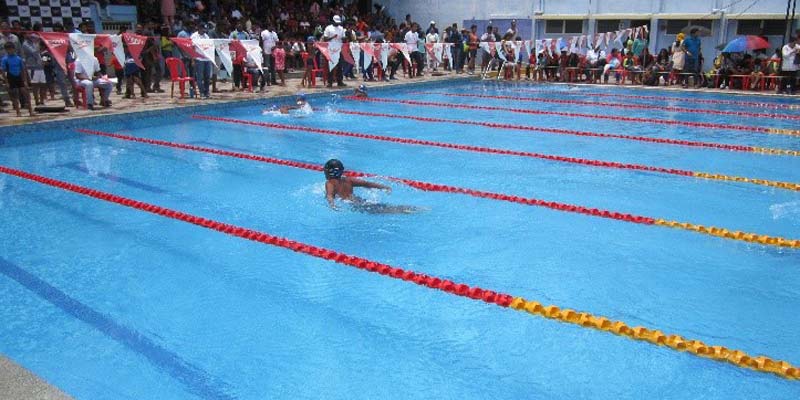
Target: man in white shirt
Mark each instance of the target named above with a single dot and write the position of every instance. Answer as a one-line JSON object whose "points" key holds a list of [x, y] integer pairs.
{"points": [[789, 52], [412, 43], [202, 67], [89, 79], [334, 33], [432, 38], [269, 38]]}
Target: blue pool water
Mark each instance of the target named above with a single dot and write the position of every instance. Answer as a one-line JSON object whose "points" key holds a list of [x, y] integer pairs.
{"points": [[108, 302]]}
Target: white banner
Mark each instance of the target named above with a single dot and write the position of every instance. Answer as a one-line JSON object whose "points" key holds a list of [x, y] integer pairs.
{"points": [[83, 46], [355, 50], [254, 52], [222, 46], [335, 51], [206, 48], [438, 52], [448, 52], [384, 55], [118, 49], [369, 54]]}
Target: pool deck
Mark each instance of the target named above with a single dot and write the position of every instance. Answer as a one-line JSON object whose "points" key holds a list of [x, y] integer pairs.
{"points": [[158, 101], [17, 383]]}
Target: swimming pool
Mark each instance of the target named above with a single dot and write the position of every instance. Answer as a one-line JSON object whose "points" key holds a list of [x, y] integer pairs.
{"points": [[114, 302]]}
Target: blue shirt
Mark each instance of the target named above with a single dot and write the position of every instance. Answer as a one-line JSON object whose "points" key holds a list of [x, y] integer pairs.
{"points": [[12, 64], [692, 45]]}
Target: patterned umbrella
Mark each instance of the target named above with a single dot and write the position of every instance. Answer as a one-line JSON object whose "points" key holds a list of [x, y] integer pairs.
{"points": [[744, 43]]}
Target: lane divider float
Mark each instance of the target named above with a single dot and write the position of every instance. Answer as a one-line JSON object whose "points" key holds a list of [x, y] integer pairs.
{"points": [[516, 153], [497, 125], [755, 104], [618, 105], [433, 187], [582, 319], [711, 125]]}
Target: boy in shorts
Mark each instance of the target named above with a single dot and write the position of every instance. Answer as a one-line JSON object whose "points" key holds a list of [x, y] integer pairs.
{"points": [[16, 76]]}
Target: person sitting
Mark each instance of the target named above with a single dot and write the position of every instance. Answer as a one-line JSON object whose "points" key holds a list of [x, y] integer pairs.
{"points": [[89, 77], [613, 63], [553, 62], [742, 67], [563, 64], [510, 54], [631, 64], [590, 67], [360, 91], [251, 65], [725, 70]]}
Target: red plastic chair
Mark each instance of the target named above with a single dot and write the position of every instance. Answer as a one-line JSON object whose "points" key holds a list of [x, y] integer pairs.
{"points": [[77, 90], [249, 78], [314, 71], [177, 73]]}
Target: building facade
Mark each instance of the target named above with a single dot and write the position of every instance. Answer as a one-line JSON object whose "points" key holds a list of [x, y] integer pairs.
{"points": [[543, 19]]}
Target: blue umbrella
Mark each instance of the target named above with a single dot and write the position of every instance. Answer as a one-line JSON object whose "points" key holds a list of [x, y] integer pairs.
{"points": [[744, 43]]}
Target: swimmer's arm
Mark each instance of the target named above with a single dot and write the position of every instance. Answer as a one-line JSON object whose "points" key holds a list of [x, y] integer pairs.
{"points": [[370, 185], [330, 195]]}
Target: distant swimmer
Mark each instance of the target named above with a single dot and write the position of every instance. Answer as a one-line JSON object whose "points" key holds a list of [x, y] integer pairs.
{"points": [[360, 91], [338, 185], [300, 105]]}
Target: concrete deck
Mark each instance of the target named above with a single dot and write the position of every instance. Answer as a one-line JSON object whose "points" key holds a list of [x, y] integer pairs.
{"points": [[17, 383], [226, 93]]}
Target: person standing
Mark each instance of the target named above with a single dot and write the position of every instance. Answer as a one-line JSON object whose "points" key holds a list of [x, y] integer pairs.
{"points": [[790, 53], [13, 69], [33, 62], [692, 48], [412, 43], [454, 37], [472, 40], [269, 38], [333, 34], [202, 66]]}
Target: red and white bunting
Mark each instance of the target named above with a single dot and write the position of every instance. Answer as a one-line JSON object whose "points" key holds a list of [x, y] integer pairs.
{"points": [[58, 44], [135, 45]]}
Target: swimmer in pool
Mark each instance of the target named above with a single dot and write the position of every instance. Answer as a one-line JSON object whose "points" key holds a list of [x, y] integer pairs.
{"points": [[300, 103], [338, 185], [360, 91]]}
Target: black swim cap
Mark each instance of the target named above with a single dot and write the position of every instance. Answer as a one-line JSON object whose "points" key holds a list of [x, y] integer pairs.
{"points": [[334, 169]]}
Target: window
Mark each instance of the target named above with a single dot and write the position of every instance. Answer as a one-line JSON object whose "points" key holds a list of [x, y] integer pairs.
{"points": [[674, 26], [748, 27], [573, 26], [607, 25], [775, 27], [635, 23], [563, 26]]}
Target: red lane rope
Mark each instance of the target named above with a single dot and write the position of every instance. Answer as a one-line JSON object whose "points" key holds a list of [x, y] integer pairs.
{"points": [[776, 106], [426, 186], [453, 146], [459, 289], [570, 114], [691, 143], [619, 105]]}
